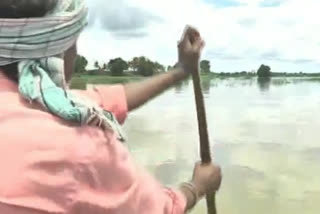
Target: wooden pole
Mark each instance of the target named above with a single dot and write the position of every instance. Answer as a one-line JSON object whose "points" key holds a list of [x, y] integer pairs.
{"points": [[203, 134]]}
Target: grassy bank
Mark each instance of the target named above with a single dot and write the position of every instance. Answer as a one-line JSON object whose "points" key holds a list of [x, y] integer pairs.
{"points": [[80, 81]]}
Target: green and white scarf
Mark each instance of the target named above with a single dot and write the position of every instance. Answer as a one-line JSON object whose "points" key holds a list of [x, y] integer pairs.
{"points": [[37, 45]]}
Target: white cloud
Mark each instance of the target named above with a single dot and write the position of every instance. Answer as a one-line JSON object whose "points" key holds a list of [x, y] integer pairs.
{"points": [[286, 36]]}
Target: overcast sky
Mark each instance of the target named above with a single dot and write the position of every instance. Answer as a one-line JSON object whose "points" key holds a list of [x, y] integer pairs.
{"points": [[239, 34]]}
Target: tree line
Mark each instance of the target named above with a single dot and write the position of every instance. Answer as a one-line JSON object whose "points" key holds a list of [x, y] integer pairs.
{"points": [[117, 66], [138, 65], [146, 67]]}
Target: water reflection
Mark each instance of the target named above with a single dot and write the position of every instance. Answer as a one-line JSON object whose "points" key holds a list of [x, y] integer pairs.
{"points": [[264, 83], [206, 85], [180, 86], [268, 146]]}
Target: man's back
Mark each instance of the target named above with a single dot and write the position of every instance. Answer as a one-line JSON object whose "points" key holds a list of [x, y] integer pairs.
{"points": [[40, 155], [52, 166]]}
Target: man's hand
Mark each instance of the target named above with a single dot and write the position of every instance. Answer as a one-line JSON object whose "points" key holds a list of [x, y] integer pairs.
{"points": [[189, 48], [207, 178]]}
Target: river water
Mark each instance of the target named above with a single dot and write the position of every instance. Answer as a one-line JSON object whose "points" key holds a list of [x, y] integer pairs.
{"points": [[265, 136]]}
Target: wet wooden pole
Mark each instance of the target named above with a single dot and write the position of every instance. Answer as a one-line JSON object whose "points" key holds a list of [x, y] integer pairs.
{"points": [[203, 134]]}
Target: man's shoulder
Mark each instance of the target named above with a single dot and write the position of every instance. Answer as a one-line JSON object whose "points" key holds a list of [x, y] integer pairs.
{"points": [[35, 128]]}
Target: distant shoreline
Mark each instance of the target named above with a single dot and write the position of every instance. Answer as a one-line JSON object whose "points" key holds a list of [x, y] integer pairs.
{"points": [[80, 80]]}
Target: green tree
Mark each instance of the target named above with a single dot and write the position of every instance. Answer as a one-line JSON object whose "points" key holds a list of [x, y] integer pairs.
{"points": [[96, 65], [146, 67], [80, 63], [117, 66], [134, 63], [159, 68], [205, 66], [264, 71], [104, 67]]}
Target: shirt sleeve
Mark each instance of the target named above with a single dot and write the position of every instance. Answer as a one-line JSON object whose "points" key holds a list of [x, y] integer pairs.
{"points": [[111, 98]]}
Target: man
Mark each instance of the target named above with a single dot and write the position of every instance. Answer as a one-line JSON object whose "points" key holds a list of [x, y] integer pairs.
{"points": [[61, 150]]}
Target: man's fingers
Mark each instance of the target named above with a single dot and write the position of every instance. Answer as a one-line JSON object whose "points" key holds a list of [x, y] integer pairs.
{"points": [[185, 37], [198, 45], [193, 34], [190, 34]]}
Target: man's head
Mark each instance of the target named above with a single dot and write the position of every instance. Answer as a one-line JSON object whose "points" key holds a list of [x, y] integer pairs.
{"points": [[35, 34], [25, 8], [14, 9]]}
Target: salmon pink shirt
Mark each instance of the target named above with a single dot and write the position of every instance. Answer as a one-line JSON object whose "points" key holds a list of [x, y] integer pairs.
{"points": [[50, 166]]}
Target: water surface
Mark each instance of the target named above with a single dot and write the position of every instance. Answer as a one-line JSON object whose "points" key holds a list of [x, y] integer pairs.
{"points": [[265, 135]]}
